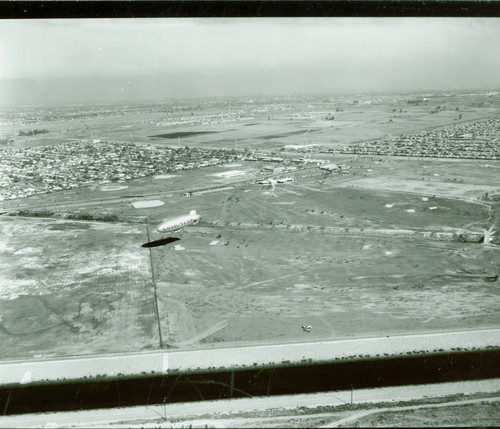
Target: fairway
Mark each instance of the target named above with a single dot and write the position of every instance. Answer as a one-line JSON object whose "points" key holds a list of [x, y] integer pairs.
{"points": [[346, 205]]}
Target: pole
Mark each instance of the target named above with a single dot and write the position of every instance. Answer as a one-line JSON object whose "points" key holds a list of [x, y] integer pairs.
{"points": [[157, 311]]}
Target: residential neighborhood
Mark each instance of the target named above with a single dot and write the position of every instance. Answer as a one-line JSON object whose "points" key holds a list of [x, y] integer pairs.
{"points": [[476, 140], [43, 169]]}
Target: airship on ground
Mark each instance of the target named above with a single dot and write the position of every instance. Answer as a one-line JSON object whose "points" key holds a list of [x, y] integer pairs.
{"points": [[179, 222]]}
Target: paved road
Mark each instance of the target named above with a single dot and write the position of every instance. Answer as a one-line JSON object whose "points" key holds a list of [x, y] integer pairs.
{"points": [[211, 408], [174, 361]]}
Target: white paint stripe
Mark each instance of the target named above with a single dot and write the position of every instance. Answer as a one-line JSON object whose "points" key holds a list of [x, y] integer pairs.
{"points": [[165, 362], [26, 378]]}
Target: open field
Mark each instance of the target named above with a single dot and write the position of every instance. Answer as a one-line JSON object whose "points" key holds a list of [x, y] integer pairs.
{"points": [[335, 250], [254, 285], [74, 288], [338, 204], [376, 194], [268, 123], [222, 284], [455, 190]]}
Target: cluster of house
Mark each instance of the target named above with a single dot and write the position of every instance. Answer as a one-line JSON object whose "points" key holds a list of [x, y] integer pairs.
{"points": [[264, 157], [274, 181], [208, 119], [38, 170], [477, 140]]}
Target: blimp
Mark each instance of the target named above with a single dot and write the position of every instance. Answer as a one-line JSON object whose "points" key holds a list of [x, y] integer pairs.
{"points": [[179, 222]]}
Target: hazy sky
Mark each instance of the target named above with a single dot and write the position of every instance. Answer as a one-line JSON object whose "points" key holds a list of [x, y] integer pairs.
{"points": [[244, 56]]}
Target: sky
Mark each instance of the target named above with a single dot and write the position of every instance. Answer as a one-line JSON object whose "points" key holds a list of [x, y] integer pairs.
{"points": [[77, 59]]}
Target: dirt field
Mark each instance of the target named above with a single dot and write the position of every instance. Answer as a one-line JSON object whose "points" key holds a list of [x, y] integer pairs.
{"points": [[253, 285], [74, 288], [477, 415]]}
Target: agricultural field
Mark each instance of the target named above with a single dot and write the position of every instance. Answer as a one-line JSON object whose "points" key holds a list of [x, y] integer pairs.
{"points": [[256, 124]]}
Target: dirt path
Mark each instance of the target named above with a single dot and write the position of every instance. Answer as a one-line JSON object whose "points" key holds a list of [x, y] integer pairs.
{"points": [[207, 332], [179, 320], [358, 416], [272, 280]]}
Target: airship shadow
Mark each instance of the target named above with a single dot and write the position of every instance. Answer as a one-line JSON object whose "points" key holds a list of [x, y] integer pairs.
{"points": [[161, 242]]}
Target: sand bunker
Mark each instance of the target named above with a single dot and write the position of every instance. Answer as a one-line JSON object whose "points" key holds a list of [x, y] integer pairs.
{"points": [[178, 247], [410, 211], [231, 165], [389, 205], [147, 204], [113, 188], [433, 208], [231, 173], [425, 199], [164, 176], [213, 243]]}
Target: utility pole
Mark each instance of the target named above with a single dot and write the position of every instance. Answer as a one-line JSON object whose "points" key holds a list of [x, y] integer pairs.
{"points": [[157, 311]]}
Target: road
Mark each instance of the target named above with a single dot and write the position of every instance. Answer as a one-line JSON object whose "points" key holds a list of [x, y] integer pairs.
{"points": [[191, 410], [237, 357]]}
